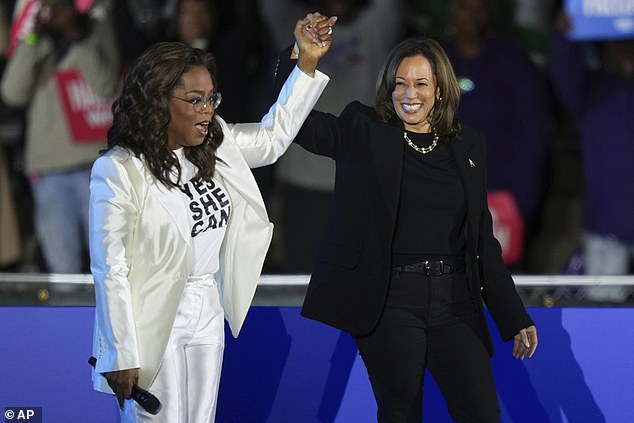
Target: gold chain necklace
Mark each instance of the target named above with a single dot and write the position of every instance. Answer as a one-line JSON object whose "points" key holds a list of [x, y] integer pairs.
{"points": [[422, 150]]}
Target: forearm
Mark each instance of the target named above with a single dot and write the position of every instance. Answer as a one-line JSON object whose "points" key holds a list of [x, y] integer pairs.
{"points": [[118, 346], [111, 216], [498, 288], [496, 282], [263, 143]]}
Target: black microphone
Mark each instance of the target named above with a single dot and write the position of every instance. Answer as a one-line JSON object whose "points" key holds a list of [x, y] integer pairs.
{"points": [[145, 399]]}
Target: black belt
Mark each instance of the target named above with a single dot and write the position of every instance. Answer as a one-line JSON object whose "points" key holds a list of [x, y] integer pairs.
{"points": [[431, 268]]}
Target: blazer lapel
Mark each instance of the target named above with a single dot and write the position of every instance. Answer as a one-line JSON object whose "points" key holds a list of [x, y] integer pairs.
{"points": [[171, 201], [387, 151]]}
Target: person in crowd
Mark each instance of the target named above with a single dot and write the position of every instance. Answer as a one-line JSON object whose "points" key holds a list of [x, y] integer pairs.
{"points": [[62, 40], [366, 31], [505, 95], [409, 255], [237, 37], [178, 228], [10, 241], [600, 101]]}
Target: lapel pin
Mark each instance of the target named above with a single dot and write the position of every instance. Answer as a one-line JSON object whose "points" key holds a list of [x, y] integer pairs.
{"points": [[471, 163]]}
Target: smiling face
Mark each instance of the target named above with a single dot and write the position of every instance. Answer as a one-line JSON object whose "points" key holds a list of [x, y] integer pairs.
{"points": [[187, 127], [415, 93]]}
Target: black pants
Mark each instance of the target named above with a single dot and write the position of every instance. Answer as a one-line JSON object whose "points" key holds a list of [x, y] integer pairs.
{"points": [[429, 322]]}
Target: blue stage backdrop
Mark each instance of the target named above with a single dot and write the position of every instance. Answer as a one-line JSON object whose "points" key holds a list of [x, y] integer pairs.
{"points": [[287, 369], [601, 19]]}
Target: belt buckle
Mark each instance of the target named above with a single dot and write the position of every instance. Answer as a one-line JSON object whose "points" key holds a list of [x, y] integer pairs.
{"points": [[434, 268]]}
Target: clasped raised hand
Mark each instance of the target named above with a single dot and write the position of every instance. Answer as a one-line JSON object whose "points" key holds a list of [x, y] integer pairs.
{"points": [[313, 36]]}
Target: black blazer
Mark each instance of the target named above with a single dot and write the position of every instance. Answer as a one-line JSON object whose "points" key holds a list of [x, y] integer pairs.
{"points": [[349, 283]]}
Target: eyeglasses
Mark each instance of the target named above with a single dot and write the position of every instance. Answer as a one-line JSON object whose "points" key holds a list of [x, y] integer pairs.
{"points": [[213, 101]]}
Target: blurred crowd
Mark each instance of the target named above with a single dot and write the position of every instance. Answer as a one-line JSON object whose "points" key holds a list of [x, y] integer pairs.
{"points": [[557, 116]]}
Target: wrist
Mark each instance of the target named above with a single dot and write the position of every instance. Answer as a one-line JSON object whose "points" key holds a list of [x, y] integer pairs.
{"points": [[307, 66]]}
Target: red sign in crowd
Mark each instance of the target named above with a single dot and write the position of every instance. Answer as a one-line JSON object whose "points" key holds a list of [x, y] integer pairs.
{"points": [[508, 225], [88, 116]]}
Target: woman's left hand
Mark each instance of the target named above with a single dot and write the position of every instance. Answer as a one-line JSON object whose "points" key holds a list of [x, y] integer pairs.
{"points": [[525, 343], [312, 39]]}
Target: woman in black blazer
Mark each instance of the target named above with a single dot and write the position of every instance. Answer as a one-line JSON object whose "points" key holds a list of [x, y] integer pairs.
{"points": [[409, 255]]}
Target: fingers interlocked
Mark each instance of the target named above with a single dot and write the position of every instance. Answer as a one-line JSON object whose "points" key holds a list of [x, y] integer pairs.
{"points": [[319, 28]]}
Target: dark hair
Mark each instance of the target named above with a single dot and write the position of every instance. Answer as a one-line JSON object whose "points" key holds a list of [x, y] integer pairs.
{"points": [[442, 117], [141, 112]]}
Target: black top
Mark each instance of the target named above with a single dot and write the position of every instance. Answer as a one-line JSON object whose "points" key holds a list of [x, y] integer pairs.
{"points": [[431, 211]]}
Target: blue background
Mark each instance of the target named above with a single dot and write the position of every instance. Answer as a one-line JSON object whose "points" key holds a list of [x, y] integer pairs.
{"points": [[597, 27], [285, 368]]}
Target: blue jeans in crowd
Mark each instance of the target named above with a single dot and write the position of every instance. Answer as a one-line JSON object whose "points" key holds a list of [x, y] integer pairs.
{"points": [[61, 217]]}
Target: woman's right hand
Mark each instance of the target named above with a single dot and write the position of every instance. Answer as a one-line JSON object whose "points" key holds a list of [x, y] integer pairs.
{"points": [[121, 383]]}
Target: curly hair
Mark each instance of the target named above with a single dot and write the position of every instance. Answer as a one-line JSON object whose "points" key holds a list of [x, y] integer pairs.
{"points": [[141, 112], [443, 113]]}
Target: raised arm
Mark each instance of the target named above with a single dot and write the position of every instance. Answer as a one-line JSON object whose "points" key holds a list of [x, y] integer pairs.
{"points": [[264, 142]]}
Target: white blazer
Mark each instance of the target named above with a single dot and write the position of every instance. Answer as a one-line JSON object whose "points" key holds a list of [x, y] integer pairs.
{"points": [[139, 253]]}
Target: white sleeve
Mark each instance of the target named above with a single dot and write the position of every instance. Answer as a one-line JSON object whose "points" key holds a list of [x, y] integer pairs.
{"points": [[112, 216], [264, 142]]}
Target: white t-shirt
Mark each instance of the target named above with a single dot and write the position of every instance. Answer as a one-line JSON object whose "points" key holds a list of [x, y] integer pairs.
{"points": [[208, 207]]}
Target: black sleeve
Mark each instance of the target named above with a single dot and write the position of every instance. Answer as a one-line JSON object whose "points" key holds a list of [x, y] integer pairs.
{"points": [[499, 293], [283, 69]]}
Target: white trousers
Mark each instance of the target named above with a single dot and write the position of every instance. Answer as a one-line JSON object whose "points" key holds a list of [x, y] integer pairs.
{"points": [[189, 375]]}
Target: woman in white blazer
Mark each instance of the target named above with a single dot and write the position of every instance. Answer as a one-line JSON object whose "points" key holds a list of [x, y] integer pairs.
{"points": [[178, 228]]}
